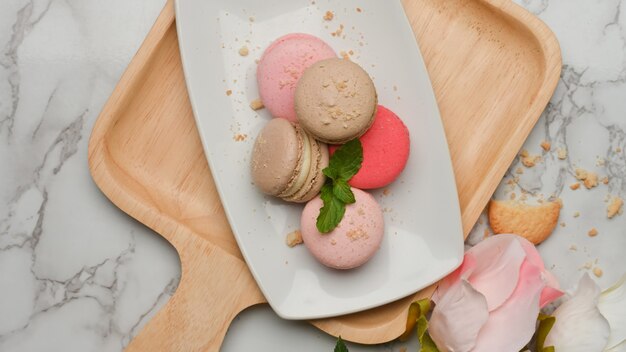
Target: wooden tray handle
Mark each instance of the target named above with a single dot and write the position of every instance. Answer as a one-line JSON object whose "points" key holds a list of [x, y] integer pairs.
{"points": [[185, 325]]}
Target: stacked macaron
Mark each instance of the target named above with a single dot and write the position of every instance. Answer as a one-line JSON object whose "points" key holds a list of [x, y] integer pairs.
{"points": [[318, 99]]}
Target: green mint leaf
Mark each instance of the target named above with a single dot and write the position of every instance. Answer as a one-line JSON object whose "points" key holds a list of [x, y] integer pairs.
{"points": [[545, 325], [336, 193], [346, 161], [341, 190], [332, 212], [340, 346]]}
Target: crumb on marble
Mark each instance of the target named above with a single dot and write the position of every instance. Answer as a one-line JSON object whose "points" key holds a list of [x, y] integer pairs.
{"points": [[591, 181], [386, 192], [243, 51], [486, 233], [597, 271], [588, 265], [574, 186], [593, 232], [545, 145], [581, 174], [618, 150], [600, 162], [529, 160], [328, 16], [294, 238], [561, 153], [519, 171], [512, 196], [605, 180], [576, 214], [358, 9], [256, 104], [573, 247], [229, 92], [614, 207], [251, 19], [563, 224], [344, 55]]}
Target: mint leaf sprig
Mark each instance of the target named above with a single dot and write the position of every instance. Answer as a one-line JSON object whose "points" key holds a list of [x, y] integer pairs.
{"points": [[336, 192], [340, 346]]}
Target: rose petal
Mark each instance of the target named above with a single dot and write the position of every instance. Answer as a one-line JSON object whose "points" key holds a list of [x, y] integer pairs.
{"points": [[468, 265], [510, 327], [497, 272], [579, 326], [457, 318], [612, 305]]}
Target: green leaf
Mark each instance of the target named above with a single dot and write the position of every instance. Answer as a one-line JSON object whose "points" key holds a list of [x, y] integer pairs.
{"points": [[340, 346], [331, 173], [545, 325], [341, 190], [417, 317], [332, 212], [346, 161]]}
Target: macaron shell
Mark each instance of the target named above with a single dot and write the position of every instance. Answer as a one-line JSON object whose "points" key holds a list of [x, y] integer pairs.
{"points": [[386, 148], [317, 177], [275, 156], [281, 66], [354, 241], [335, 100]]}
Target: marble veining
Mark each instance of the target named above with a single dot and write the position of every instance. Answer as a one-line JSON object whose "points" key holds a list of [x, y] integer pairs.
{"points": [[76, 274]]}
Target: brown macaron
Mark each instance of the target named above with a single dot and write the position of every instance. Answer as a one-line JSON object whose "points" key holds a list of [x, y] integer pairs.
{"points": [[287, 162], [335, 100]]}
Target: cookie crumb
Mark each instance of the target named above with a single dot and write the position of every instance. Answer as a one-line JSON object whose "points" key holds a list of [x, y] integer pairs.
{"points": [[614, 207], [256, 104], [573, 247], [576, 214], [591, 181], [581, 174], [587, 265], [545, 145], [240, 137], [605, 180], [600, 162], [386, 192], [344, 55], [512, 196], [618, 150], [229, 92], [593, 232], [338, 32], [358, 9], [486, 233], [333, 242], [597, 272], [519, 171], [243, 51], [251, 19], [294, 238], [561, 153], [329, 16], [574, 186], [529, 160], [563, 224]]}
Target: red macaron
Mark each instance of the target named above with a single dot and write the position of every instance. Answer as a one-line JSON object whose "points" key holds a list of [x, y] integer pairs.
{"points": [[386, 147]]}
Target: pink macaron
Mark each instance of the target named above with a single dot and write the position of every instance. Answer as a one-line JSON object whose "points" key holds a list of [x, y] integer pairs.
{"points": [[354, 241], [282, 65], [386, 147]]}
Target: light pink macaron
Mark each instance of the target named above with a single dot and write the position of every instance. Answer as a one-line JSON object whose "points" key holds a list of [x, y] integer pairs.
{"points": [[354, 241], [282, 65]]}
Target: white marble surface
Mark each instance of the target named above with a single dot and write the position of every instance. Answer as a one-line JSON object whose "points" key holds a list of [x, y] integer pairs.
{"points": [[76, 274]]}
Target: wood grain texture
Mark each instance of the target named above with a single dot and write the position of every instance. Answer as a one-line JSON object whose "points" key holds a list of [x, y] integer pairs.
{"points": [[493, 67]]}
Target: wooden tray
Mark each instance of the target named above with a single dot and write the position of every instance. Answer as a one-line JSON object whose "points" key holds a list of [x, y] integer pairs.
{"points": [[493, 66]]}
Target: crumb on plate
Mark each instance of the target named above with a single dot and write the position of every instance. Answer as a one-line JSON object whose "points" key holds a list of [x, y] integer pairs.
{"points": [[593, 232], [294, 238], [243, 51], [545, 145], [256, 104], [328, 16], [229, 92], [240, 137], [597, 271]]}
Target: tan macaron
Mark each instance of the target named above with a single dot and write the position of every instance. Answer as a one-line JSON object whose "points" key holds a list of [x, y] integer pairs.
{"points": [[287, 162], [335, 100]]}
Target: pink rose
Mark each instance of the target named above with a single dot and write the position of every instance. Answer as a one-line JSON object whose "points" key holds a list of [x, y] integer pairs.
{"points": [[491, 302]]}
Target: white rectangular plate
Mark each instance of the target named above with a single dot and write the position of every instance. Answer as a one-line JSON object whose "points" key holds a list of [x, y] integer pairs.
{"points": [[423, 235]]}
